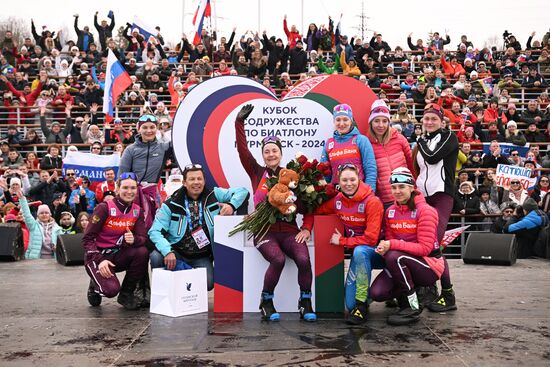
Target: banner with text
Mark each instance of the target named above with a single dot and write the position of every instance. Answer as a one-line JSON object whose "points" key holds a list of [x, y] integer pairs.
{"points": [[506, 173], [90, 165]]}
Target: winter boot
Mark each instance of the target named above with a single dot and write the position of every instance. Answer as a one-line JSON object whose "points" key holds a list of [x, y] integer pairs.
{"points": [[94, 298], [426, 295], [358, 315], [445, 302], [409, 311], [143, 292], [126, 295], [305, 307], [267, 309]]}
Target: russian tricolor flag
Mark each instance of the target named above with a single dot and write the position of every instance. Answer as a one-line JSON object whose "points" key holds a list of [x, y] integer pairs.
{"points": [[144, 29], [203, 10], [117, 80]]}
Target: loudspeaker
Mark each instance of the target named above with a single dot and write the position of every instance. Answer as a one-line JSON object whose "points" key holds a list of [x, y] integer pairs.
{"points": [[490, 248], [11, 245], [69, 249]]}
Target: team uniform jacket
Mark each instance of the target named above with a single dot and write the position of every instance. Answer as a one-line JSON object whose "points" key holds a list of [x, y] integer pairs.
{"points": [[361, 214], [415, 232]]}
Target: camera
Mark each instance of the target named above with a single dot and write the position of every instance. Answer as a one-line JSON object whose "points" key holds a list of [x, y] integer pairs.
{"points": [[506, 37]]}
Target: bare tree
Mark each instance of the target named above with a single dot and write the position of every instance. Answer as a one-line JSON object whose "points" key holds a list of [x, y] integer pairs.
{"points": [[493, 40], [18, 26]]}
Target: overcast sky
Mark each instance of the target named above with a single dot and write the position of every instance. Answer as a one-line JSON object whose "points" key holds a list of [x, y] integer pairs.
{"points": [[395, 19]]}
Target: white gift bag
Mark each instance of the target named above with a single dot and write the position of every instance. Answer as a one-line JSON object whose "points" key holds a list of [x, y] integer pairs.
{"points": [[179, 293]]}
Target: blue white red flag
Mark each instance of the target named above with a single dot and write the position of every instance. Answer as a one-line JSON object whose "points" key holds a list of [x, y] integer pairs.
{"points": [[203, 11], [90, 165], [117, 80], [144, 29]]}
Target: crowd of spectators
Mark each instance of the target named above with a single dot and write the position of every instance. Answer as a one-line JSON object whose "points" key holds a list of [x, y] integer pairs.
{"points": [[51, 89]]}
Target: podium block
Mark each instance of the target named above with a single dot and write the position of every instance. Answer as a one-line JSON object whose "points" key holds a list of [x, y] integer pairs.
{"points": [[329, 265], [239, 270]]}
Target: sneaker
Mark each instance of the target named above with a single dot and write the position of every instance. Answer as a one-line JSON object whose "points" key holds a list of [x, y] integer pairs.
{"points": [[267, 308], [358, 315], [426, 295], [305, 307], [445, 302], [94, 298], [405, 316]]}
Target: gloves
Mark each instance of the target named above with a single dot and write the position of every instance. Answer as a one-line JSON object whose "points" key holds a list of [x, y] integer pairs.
{"points": [[245, 112]]}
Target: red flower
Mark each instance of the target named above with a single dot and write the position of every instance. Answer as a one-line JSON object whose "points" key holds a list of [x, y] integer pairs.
{"points": [[323, 165], [307, 165], [302, 159], [315, 162], [318, 188], [331, 190]]}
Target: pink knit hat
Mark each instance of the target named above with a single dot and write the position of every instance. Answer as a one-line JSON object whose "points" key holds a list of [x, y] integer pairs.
{"points": [[43, 209], [379, 109]]}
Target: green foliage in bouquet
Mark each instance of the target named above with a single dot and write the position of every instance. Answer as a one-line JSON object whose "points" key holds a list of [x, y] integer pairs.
{"points": [[311, 192]]}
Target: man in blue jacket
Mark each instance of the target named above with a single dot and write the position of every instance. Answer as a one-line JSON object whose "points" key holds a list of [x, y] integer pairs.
{"points": [[527, 228], [184, 226]]}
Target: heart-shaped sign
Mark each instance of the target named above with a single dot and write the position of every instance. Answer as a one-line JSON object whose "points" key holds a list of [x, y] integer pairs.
{"points": [[204, 131]]}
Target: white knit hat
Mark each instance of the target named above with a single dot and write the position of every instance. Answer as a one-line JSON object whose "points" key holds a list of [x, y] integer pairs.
{"points": [[15, 180]]}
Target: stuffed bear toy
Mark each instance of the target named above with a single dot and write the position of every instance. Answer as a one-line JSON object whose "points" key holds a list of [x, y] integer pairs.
{"points": [[281, 196]]}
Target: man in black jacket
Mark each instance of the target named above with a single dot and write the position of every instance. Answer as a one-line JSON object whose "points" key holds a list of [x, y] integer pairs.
{"points": [[85, 37], [495, 156], [276, 52], [534, 114], [105, 30], [298, 59]]}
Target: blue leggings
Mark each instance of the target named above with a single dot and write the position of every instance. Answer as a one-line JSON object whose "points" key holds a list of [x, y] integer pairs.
{"points": [[358, 279]]}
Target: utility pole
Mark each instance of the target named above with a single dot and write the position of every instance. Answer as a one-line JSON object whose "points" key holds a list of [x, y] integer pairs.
{"points": [[363, 18]]}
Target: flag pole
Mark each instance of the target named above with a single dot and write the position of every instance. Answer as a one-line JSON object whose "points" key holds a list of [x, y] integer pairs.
{"points": [[183, 16], [259, 28]]}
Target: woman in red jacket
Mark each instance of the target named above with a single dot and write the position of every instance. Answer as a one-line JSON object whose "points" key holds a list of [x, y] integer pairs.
{"points": [[391, 149], [411, 250], [361, 212]]}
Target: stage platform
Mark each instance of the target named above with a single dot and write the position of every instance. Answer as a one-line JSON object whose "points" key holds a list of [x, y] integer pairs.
{"points": [[503, 320]]}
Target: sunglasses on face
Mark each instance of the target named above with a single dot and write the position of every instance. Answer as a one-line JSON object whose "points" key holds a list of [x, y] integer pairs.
{"points": [[508, 211], [514, 183], [128, 175], [69, 174], [544, 181], [514, 154]]}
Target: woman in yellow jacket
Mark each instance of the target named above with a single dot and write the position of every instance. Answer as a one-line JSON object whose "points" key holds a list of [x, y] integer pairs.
{"points": [[350, 67]]}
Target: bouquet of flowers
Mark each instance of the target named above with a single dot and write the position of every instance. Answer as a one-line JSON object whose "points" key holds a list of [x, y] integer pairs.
{"points": [[310, 192]]}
